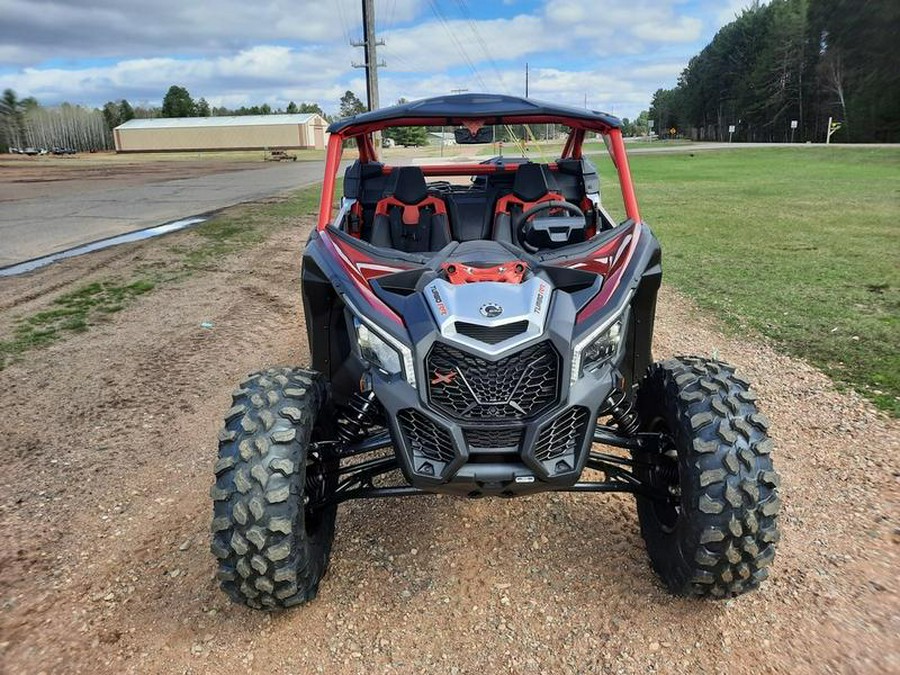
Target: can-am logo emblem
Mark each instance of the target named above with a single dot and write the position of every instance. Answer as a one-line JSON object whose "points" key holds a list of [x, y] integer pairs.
{"points": [[491, 310]]}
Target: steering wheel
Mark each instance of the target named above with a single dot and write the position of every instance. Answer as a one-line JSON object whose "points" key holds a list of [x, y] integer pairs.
{"points": [[569, 207]]}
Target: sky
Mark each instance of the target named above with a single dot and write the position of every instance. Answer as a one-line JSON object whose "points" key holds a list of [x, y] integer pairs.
{"points": [[609, 54]]}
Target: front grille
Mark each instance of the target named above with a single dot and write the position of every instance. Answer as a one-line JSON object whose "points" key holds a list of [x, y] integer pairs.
{"points": [[493, 438], [491, 335], [424, 437], [472, 388], [563, 435]]}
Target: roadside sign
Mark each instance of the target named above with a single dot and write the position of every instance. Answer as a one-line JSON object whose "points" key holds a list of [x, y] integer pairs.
{"points": [[730, 128], [650, 123], [793, 124], [833, 125]]}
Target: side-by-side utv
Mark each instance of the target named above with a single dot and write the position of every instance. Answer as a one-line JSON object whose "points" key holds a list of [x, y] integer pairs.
{"points": [[483, 328]]}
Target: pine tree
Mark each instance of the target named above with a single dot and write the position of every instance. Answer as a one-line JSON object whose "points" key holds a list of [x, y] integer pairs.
{"points": [[178, 103]]}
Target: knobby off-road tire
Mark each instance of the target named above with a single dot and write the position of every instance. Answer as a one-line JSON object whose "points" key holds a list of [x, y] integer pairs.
{"points": [[718, 536], [272, 551]]}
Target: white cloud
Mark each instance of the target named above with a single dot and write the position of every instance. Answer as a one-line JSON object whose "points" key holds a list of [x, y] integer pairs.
{"points": [[33, 32], [263, 73], [729, 10], [238, 53]]}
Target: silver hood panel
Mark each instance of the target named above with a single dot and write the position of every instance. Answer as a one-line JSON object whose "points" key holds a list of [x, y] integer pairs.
{"points": [[489, 304]]}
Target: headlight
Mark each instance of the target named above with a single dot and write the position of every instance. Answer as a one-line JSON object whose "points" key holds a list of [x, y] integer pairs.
{"points": [[382, 350], [604, 346], [598, 347], [375, 350]]}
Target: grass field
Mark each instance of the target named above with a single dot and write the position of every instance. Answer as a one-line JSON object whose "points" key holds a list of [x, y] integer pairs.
{"points": [[799, 244]]}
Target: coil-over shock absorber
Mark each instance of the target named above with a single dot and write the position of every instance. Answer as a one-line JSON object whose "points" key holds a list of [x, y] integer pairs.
{"points": [[361, 413], [621, 409]]}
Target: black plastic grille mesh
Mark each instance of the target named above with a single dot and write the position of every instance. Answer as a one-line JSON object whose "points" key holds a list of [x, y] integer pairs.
{"points": [[493, 438], [472, 388], [562, 436], [424, 437], [490, 335]]}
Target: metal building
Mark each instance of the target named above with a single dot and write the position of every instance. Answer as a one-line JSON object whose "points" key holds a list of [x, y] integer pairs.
{"points": [[244, 132]]}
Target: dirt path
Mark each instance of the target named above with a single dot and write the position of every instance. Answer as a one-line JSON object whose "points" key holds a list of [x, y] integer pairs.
{"points": [[104, 514]]}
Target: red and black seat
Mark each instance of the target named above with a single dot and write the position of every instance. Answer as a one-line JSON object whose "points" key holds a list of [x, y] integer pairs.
{"points": [[407, 218], [534, 184]]}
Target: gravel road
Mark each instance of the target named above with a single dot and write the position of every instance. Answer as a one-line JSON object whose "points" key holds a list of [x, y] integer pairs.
{"points": [[104, 514]]}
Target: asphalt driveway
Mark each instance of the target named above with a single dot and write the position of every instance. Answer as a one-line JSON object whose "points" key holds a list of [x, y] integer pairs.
{"points": [[30, 228]]}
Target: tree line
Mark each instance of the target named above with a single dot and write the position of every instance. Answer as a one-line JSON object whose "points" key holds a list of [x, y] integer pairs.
{"points": [[178, 102], [792, 60], [24, 123]]}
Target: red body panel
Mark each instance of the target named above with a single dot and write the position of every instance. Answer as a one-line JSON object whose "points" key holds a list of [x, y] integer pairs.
{"points": [[361, 267], [609, 261]]}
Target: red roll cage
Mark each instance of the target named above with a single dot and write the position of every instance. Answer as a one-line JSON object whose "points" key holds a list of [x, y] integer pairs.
{"points": [[363, 132]]}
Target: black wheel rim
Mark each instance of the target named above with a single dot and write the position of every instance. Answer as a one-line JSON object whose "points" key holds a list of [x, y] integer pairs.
{"points": [[317, 484], [665, 478]]}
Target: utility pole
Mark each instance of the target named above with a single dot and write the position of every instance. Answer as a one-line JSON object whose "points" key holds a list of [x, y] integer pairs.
{"points": [[526, 79], [371, 63]]}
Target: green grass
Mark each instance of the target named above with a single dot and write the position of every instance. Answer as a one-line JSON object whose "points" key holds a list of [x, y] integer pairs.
{"points": [[233, 229], [72, 312], [245, 226], [799, 244]]}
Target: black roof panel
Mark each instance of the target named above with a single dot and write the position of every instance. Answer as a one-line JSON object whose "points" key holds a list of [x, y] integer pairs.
{"points": [[475, 106]]}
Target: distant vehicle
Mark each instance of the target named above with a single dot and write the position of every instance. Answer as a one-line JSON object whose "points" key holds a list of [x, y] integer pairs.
{"points": [[63, 151], [31, 152], [280, 156]]}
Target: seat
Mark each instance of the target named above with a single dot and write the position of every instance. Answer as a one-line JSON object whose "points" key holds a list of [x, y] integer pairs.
{"points": [[407, 218], [533, 185], [365, 184]]}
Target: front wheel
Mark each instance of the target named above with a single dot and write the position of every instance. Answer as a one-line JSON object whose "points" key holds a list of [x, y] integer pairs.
{"points": [[716, 533], [272, 548]]}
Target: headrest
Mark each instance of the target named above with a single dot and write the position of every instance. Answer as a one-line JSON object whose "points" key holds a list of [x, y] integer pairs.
{"points": [[356, 174], [533, 181], [407, 184]]}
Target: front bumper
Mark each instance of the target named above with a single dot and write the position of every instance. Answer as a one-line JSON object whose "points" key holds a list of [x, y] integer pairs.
{"points": [[438, 453]]}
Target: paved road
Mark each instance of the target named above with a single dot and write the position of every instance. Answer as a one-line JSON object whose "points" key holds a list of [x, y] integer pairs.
{"points": [[30, 228]]}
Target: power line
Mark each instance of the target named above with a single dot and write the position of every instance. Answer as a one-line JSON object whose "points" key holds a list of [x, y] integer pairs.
{"points": [[390, 14], [473, 26], [343, 19], [435, 8]]}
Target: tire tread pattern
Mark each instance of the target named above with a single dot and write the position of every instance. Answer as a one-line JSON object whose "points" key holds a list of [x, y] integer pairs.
{"points": [[725, 538], [267, 558]]}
